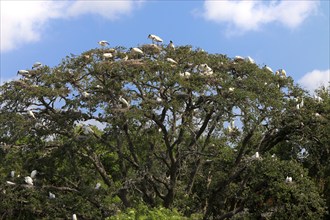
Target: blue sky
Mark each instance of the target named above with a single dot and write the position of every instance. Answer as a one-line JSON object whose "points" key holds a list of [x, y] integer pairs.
{"points": [[293, 35]]}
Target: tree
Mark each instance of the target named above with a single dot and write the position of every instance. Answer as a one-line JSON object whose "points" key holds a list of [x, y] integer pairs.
{"points": [[182, 129]]}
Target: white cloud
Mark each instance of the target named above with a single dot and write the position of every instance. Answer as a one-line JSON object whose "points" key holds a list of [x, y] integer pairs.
{"points": [[251, 15], [314, 79], [24, 21]]}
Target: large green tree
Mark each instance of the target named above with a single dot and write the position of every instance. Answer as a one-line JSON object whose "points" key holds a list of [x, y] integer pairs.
{"points": [[178, 128]]}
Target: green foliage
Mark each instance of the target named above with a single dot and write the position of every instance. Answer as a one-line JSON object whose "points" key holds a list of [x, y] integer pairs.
{"points": [[110, 134]]}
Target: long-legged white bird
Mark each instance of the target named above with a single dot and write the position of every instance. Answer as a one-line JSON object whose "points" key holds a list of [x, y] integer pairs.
{"points": [[103, 43], [31, 114], [36, 65], [34, 173], [155, 38], [171, 45], [124, 101], [28, 180]]}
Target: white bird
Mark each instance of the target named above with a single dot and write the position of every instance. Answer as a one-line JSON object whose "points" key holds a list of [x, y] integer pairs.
{"points": [[10, 183], [99, 87], [87, 130], [298, 106], [74, 217], [288, 179], [282, 73], [250, 60], [36, 65], [97, 186], [23, 72], [12, 173], [85, 94], [185, 75], [34, 173], [302, 103], [124, 101], [107, 55], [158, 99], [31, 114], [256, 155], [231, 89], [51, 195], [136, 50], [103, 43], [268, 68], [28, 180], [171, 45], [171, 60], [318, 98], [231, 126], [238, 58], [155, 38]]}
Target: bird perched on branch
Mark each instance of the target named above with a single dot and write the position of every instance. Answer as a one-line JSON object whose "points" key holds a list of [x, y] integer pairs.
{"points": [[155, 38]]}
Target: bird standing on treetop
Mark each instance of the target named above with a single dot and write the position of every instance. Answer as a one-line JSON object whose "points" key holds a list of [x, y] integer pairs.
{"points": [[171, 45], [103, 43], [28, 180], [155, 38]]}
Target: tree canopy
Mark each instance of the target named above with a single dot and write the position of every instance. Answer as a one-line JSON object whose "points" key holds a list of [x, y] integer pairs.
{"points": [[114, 132]]}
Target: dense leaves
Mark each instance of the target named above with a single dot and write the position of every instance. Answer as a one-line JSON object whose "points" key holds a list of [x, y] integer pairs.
{"points": [[122, 136]]}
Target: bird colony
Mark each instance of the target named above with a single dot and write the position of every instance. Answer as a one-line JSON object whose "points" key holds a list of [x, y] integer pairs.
{"points": [[121, 80]]}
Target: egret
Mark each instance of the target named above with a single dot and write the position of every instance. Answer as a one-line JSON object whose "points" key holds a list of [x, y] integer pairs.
{"points": [[231, 89], [297, 106], [103, 43], [107, 55], [34, 173], [31, 114], [158, 99], [155, 38], [23, 72], [10, 183], [124, 101], [12, 174], [136, 50], [28, 180], [171, 60], [51, 195], [74, 217], [36, 65], [97, 186], [99, 87], [288, 179], [171, 45], [268, 68]]}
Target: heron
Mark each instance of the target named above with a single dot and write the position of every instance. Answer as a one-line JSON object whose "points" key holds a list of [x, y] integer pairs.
{"points": [[256, 155], [155, 38], [12, 174], [85, 94], [74, 217], [318, 98], [28, 180]]}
